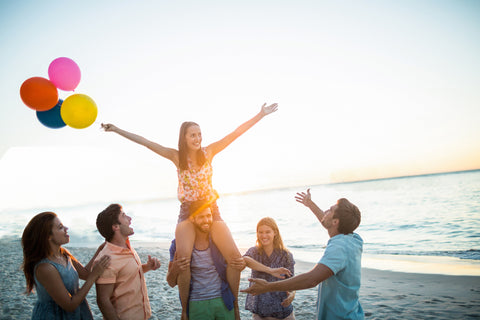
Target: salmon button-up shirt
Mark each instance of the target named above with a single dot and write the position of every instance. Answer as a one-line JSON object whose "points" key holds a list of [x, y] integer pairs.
{"points": [[130, 297]]}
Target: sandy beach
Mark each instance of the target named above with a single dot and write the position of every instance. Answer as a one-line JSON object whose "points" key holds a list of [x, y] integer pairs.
{"points": [[384, 294]]}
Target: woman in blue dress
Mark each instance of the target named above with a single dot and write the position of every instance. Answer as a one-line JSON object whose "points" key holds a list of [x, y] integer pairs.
{"points": [[54, 271], [270, 252]]}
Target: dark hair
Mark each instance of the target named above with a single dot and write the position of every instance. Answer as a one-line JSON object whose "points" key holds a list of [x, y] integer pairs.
{"points": [[182, 147], [36, 245], [197, 206], [106, 219], [348, 215]]}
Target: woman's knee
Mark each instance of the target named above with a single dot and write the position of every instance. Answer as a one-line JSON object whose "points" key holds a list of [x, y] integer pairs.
{"points": [[185, 228], [184, 239]]}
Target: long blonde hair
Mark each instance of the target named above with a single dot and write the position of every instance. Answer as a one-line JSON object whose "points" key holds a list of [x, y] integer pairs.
{"points": [[277, 240]]}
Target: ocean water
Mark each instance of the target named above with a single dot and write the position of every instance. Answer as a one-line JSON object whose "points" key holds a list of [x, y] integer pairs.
{"points": [[428, 216]]}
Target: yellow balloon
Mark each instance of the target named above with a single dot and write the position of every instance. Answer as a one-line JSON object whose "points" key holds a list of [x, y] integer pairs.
{"points": [[79, 111]]}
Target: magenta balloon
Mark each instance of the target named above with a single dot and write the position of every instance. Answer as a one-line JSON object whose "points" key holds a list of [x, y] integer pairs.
{"points": [[64, 74]]}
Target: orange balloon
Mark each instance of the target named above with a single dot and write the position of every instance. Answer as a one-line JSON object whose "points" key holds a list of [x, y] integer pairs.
{"points": [[39, 94]]}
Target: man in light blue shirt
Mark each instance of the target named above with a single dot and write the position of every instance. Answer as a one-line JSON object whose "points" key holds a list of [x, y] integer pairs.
{"points": [[337, 272]]}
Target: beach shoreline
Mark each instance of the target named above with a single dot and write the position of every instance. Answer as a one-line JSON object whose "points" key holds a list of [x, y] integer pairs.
{"points": [[441, 265], [383, 294]]}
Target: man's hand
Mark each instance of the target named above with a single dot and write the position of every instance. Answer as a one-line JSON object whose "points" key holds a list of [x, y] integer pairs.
{"points": [[259, 286], [304, 198], [180, 264], [152, 264], [175, 267]]}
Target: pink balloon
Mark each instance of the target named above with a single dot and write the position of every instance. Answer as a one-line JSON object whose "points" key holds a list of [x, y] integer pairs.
{"points": [[64, 73]]}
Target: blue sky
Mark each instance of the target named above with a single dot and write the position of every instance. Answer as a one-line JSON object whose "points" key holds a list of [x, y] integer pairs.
{"points": [[365, 89]]}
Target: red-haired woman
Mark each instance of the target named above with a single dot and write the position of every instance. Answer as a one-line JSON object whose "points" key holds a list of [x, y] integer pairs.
{"points": [[270, 252], [54, 271]]}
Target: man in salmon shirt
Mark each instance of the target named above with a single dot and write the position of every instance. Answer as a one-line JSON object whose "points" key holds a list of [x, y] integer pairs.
{"points": [[121, 290]]}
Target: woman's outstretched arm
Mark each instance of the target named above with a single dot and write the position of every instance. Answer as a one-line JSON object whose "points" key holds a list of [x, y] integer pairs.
{"points": [[84, 271], [168, 153], [218, 146], [280, 273]]}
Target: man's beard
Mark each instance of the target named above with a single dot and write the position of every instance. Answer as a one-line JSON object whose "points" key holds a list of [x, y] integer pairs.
{"points": [[201, 229]]}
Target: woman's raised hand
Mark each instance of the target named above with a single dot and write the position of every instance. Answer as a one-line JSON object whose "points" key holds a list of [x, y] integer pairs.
{"points": [[269, 109]]}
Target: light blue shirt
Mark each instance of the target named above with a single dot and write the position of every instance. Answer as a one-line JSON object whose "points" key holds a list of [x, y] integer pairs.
{"points": [[338, 295]]}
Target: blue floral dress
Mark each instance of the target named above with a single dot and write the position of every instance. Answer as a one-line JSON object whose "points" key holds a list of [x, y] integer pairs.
{"points": [[46, 308], [269, 304]]}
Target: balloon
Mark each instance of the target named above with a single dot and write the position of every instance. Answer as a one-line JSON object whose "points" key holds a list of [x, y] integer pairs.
{"points": [[64, 73], [79, 111], [52, 118], [39, 93]]}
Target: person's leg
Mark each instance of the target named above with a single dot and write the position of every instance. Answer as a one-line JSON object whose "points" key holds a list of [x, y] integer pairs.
{"points": [[184, 238], [223, 239]]}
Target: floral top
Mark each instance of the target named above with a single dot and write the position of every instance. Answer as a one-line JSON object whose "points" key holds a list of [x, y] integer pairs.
{"points": [[195, 184], [269, 304]]}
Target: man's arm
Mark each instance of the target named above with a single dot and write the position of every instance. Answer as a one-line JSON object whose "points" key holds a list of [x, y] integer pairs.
{"points": [[302, 281], [104, 292], [174, 268], [306, 200], [172, 275]]}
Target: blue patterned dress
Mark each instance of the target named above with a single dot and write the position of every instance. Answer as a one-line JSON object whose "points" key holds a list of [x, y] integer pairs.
{"points": [[46, 308], [269, 304]]}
